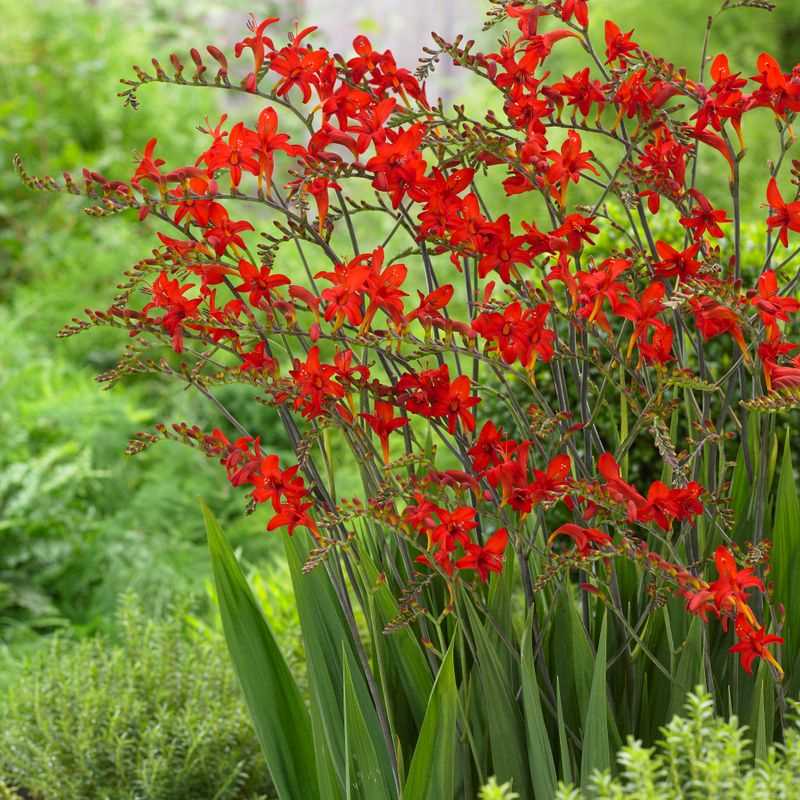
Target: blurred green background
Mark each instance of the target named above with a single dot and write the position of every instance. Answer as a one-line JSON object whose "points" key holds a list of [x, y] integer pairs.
{"points": [[79, 522]]}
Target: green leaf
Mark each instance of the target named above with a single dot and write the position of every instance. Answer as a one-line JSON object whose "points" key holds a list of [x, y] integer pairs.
{"points": [[786, 544], [506, 731], [542, 764], [282, 724], [563, 744], [327, 636], [365, 779], [431, 775], [405, 653], [689, 672], [596, 753]]}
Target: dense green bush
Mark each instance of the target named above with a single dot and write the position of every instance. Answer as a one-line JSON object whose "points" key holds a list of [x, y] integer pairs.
{"points": [[156, 716], [699, 756]]}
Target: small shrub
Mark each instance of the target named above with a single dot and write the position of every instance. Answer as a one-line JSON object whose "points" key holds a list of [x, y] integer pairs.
{"points": [[155, 716], [701, 755]]}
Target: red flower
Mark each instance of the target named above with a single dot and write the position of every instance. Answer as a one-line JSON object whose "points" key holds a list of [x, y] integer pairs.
{"points": [[272, 483], [269, 140], [431, 394], [234, 155], [487, 448], [770, 305], [258, 44], [730, 588], [601, 284], [665, 505], [642, 313], [681, 264], [292, 516], [618, 44], [383, 422], [260, 283], [224, 232], [575, 8], [704, 217], [398, 165], [300, 66], [518, 334], [314, 384], [584, 538], [713, 319], [752, 644], [786, 216], [169, 295], [567, 165], [553, 481], [658, 350], [488, 558]]}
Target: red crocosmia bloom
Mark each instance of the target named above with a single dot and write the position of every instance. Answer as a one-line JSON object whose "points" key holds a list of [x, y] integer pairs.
{"points": [[658, 350], [318, 188], [551, 483], [169, 295], [778, 92], [346, 372], [598, 285], [199, 210], [292, 516], [618, 44], [500, 250], [488, 558], [620, 490], [682, 264], [713, 319], [260, 283], [753, 643], [224, 232], [785, 216], [397, 165], [454, 526], [272, 483], [715, 141], [486, 451], [575, 8], [704, 218], [343, 300], [518, 334], [269, 140], [382, 289], [730, 588], [149, 167], [567, 165], [299, 65], [643, 312], [431, 394], [383, 422], [314, 384], [427, 312], [258, 43], [581, 91], [527, 18], [665, 505], [459, 401], [585, 538], [235, 154], [258, 360], [770, 305]]}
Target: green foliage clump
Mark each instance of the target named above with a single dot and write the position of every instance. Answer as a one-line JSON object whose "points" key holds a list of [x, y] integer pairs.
{"points": [[154, 716], [700, 756]]}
